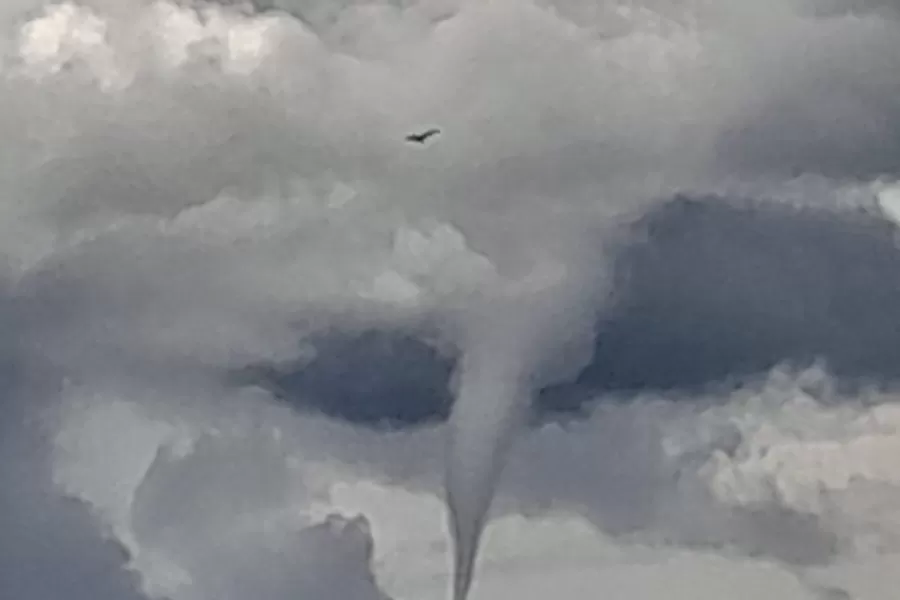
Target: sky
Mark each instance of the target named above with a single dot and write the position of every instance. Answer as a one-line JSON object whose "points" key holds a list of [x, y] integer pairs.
{"points": [[645, 281]]}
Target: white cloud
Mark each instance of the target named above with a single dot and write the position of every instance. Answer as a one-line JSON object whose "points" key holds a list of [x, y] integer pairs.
{"points": [[604, 506]]}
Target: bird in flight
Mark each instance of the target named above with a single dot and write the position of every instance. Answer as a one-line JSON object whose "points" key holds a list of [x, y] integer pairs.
{"points": [[420, 138]]}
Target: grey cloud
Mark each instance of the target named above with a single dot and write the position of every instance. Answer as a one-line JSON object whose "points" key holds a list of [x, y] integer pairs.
{"points": [[163, 235], [715, 289], [820, 100]]}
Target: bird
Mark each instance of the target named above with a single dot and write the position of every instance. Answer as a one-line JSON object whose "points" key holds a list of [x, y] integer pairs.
{"points": [[420, 138]]}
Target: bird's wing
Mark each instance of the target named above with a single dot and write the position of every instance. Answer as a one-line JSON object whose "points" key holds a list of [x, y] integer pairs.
{"points": [[421, 137]]}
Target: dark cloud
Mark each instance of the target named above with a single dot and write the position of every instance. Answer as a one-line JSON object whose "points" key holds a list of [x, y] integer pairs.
{"points": [[720, 289], [52, 548], [833, 111], [376, 377], [715, 290]]}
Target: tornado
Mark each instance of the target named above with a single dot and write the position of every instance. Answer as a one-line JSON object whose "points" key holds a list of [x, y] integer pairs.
{"points": [[509, 351], [490, 406]]}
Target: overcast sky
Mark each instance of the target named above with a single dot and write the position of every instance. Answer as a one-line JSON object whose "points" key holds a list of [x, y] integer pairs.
{"points": [[214, 233]]}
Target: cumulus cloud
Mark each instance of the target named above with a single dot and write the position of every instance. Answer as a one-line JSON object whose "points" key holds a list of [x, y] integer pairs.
{"points": [[193, 188], [203, 510]]}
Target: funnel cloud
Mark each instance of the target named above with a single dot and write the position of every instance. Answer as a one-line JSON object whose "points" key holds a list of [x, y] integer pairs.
{"points": [[512, 348]]}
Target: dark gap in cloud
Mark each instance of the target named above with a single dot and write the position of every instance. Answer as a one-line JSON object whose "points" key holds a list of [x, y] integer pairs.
{"points": [[715, 291], [377, 377], [721, 289]]}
